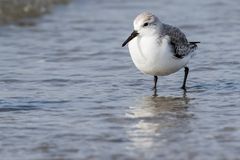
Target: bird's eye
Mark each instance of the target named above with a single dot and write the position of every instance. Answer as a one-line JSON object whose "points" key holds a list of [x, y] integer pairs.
{"points": [[145, 24]]}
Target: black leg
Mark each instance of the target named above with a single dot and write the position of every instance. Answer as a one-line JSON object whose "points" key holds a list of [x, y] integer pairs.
{"points": [[155, 86], [186, 70], [155, 82]]}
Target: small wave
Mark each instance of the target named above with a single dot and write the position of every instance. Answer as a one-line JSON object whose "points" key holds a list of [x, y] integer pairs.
{"points": [[15, 10], [18, 108]]}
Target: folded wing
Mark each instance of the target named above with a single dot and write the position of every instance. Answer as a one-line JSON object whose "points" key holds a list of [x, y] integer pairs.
{"points": [[179, 42]]}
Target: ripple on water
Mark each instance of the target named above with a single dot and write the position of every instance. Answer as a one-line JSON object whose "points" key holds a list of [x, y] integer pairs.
{"points": [[11, 108]]}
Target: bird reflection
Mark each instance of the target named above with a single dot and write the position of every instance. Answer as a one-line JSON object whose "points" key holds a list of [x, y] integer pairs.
{"points": [[153, 106], [154, 117]]}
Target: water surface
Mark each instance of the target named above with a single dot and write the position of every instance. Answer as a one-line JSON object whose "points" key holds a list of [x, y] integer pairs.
{"points": [[69, 91]]}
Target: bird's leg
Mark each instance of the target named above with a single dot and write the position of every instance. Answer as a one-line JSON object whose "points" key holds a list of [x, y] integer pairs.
{"points": [[155, 86], [186, 70], [155, 82]]}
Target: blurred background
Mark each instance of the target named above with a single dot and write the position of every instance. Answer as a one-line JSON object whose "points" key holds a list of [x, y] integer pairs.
{"points": [[70, 91], [12, 11]]}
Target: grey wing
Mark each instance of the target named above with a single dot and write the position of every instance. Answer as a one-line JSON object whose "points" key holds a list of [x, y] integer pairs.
{"points": [[179, 42]]}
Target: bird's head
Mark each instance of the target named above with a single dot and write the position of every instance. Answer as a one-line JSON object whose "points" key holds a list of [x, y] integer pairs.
{"points": [[145, 24]]}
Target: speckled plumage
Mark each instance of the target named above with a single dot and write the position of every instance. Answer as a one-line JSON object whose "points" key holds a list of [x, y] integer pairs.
{"points": [[179, 42]]}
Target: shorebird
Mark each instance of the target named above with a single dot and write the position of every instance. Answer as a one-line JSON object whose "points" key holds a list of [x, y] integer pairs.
{"points": [[159, 49]]}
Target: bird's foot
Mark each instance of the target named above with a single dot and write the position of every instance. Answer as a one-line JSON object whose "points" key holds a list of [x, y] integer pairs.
{"points": [[184, 88], [154, 92]]}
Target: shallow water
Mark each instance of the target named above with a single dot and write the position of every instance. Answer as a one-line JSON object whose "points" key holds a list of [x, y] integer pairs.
{"points": [[69, 91]]}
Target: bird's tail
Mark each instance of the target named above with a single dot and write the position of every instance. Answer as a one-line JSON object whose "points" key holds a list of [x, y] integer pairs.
{"points": [[193, 45]]}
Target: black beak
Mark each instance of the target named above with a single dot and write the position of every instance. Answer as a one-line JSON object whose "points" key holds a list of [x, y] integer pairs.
{"points": [[133, 35]]}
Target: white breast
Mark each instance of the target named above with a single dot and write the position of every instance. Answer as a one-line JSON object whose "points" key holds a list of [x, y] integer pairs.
{"points": [[153, 56]]}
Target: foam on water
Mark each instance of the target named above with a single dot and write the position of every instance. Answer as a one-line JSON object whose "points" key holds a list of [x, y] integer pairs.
{"points": [[15, 10]]}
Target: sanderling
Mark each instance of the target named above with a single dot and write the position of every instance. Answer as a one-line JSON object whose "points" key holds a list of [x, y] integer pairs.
{"points": [[159, 49]]}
